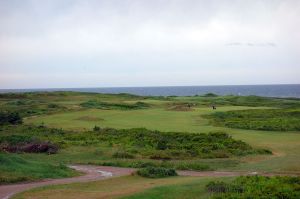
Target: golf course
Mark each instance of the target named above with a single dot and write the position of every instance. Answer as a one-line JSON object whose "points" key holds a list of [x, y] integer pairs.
{"points": [[43, 133]]}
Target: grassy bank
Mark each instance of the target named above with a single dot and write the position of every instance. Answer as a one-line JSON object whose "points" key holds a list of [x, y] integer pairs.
{"points": [[15, 168]]}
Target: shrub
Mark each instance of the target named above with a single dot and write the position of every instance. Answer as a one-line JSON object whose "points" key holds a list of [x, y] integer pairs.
{"points": [[156, 172], [96, 128], [217, 187], [160, 155], [10, 118], [123, 154]]}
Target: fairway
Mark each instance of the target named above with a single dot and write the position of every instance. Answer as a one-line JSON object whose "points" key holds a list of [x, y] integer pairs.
{"points": [[154, 118]]}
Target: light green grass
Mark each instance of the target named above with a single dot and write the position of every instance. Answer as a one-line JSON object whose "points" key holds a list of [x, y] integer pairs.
{"points": [[155, 119], [110, 188]]}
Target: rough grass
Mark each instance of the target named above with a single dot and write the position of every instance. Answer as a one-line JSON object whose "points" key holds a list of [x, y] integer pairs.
{"points": [[15, 168], [256, 187], [111, 106], [145, 143], [257, 119]]}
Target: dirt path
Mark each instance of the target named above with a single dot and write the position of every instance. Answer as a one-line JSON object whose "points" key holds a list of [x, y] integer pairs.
{"points": [[93, 173]]}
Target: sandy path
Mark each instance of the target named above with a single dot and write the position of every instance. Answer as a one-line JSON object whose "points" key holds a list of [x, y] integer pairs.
{"points": [[93, 173]]}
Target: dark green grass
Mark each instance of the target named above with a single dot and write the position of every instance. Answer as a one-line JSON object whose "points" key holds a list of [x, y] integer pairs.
{"points": [[15, 168], [256, 187], [257, 119]]}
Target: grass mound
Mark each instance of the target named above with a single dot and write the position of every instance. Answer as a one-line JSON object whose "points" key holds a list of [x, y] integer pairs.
{"points": [[258, 119], [156, 172], [256, 187], [15, 168]]}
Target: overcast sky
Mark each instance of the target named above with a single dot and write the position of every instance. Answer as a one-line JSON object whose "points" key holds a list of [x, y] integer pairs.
{"points": [[69, 43]]}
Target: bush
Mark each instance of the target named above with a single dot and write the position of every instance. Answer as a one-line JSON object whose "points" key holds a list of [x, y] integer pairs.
{"points": [[10, 118], [217, 187], [123, 154], [27, 144], [156, 172]]}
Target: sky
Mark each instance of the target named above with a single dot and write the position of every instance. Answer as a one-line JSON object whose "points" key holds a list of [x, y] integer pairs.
{"points": [[120, 43]]}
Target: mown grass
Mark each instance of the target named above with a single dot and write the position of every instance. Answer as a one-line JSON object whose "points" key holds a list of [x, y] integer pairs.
{"points": [[188, 190], [152, 118]]}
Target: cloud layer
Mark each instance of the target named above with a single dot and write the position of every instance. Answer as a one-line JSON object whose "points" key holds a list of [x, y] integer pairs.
{"points": [[148, 43]]}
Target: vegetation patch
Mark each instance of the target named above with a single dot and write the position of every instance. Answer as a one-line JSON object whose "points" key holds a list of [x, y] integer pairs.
{"points": [[174, 145], [210, 95], [26, 144], [10, 118], [123, 155], [111, 106], [147, 143], [156, 172], [15, 168], [259, 119], [256, 187]]}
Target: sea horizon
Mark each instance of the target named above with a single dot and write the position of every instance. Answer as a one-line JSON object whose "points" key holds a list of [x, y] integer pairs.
{"points": [[267, 90]]}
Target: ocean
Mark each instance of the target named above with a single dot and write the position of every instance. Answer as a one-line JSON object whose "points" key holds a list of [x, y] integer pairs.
{"points": [[282, 90]]}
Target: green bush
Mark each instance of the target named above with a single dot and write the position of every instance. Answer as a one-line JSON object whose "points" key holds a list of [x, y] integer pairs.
{"points": [[156, 172], [10, 118], [123, 154]]}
